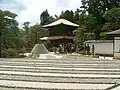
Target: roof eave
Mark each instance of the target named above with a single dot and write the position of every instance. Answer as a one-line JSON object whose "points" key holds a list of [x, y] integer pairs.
{"points": [[47, 26], [117, 32]]}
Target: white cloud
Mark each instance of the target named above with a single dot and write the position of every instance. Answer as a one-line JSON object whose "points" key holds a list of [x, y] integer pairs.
{"points": [[74, 4], [36, 7], [12, 5]]}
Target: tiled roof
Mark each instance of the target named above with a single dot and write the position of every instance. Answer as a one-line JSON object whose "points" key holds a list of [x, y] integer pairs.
{"points": [[116, 32], [99, 41], [61, 21]]}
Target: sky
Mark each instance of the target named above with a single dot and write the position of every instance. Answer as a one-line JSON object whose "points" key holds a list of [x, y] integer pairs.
{"points": [[30, 10]]}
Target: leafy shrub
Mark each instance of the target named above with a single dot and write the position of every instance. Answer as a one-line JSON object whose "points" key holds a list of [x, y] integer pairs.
{"points": [[11, 52]]}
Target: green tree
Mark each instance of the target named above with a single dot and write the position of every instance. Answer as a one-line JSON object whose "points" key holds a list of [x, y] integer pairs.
{"points": [[33, 37], [68, 15], [26, 26], [112, 18], [80, 35], [77, 16], [97, 8], [89, 23], [9, 31], [25, 34], [45, 18]]}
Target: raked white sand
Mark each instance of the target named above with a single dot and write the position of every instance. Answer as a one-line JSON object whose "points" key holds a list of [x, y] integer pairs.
{"points": [[30, 67], [53, 85], [58, 74]]}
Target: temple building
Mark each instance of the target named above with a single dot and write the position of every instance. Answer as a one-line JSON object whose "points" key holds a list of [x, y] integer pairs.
{"points": [[116, 43], [60, 33]]}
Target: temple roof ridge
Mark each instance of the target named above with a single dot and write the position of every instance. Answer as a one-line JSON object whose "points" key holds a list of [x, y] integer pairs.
{"points": [[61, 21]]}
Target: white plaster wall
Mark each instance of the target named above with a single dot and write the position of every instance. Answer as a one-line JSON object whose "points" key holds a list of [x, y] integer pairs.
{"points": [[117, 44], [103, 48], [117, 55], [117, 48]]}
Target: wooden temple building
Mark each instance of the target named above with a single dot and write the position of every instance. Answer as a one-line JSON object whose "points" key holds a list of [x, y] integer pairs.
{"points": [[60, 33], [116, 43]]}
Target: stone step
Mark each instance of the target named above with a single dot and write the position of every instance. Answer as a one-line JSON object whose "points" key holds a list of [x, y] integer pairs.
{"points": [[55, 86]]}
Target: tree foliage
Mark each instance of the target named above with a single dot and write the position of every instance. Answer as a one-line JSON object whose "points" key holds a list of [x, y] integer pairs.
{"points": [[94, 17], [112, 17], [33, 36], [98, 8], [68, 15], [45, 18], [9, 31]]}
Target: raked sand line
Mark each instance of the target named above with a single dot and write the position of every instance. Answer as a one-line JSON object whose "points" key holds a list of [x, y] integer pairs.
{"points": [[56, 68], [65, 66], [63, 59], [64, 72], [61, 70], [58, 74], [67, 58], [82, 80], [41, 85], [69, 62], [61, 63], [97, 66], [65, 62], [111, 64]]}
